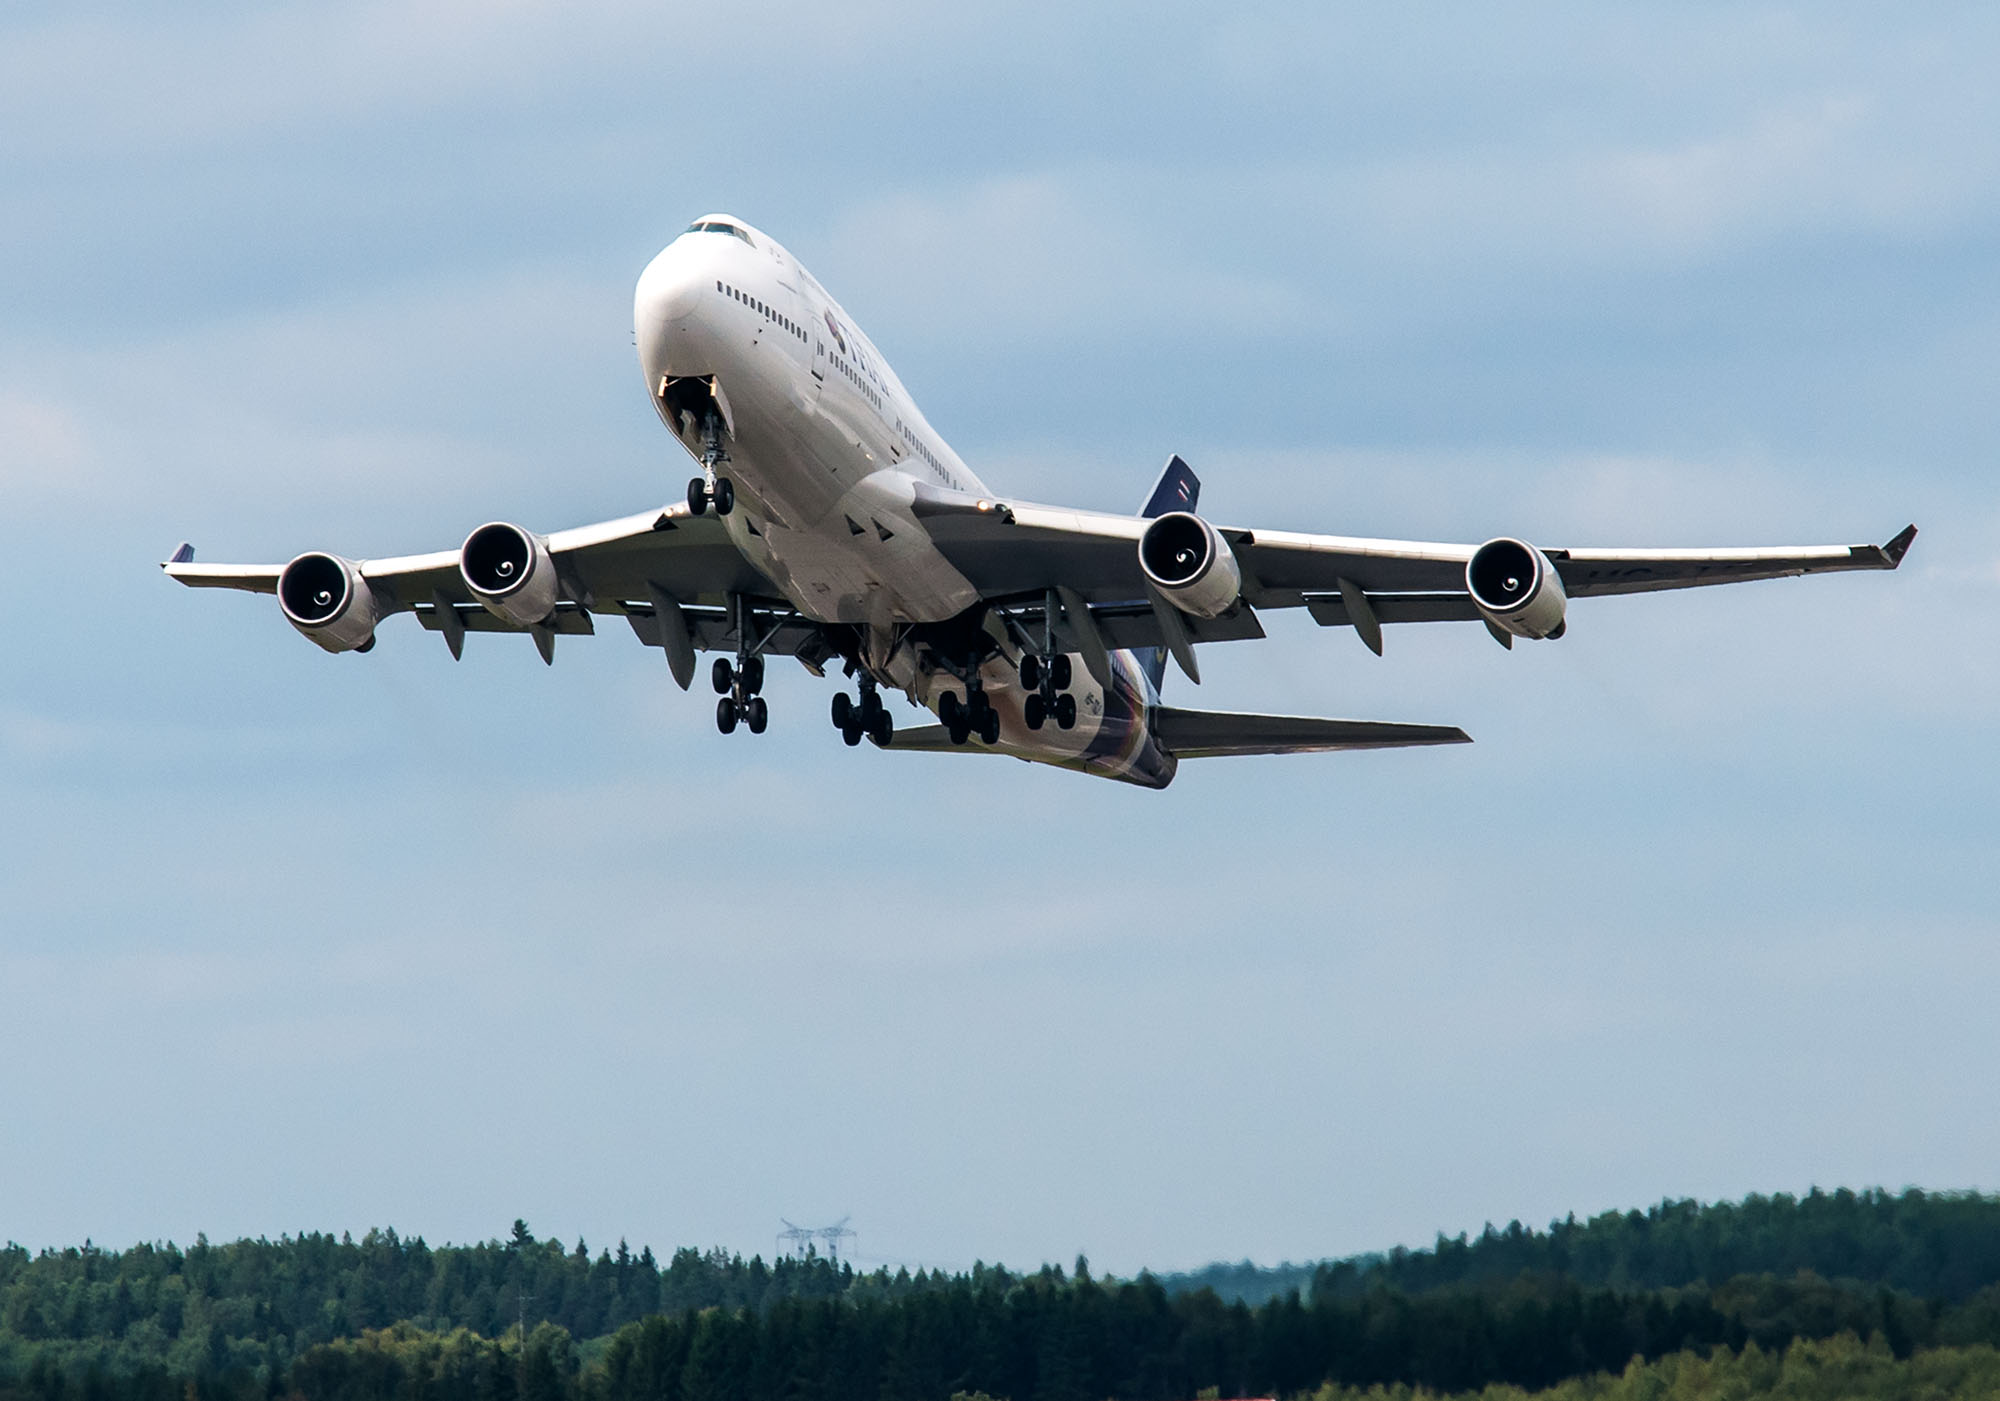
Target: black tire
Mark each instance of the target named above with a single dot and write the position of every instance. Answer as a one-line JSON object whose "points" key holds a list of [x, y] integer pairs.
{"points": [[990, 731], [725, 715], [850, 734], [752, 675], [1031, 672], [1066, 711], [722, 676], [1035, 711], [958, 729], [757, 714], [698, 496], [843, 709], [871, 706], [1059, 672], [883, 730], [951, 710], [725, 496], [977, 709]]}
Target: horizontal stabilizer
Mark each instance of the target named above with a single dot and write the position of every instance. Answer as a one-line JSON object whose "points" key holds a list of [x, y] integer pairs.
{"points": [[1201, 734], [934, 739]]}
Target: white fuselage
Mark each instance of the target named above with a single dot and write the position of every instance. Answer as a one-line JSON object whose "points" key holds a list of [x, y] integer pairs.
{"points": [[826, 451]]}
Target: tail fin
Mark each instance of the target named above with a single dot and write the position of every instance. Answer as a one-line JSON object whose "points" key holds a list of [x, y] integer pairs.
{"points": [[1177, 490]]}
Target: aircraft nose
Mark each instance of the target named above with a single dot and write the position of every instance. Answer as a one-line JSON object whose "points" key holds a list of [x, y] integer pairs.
{"points": [[667, 290]]}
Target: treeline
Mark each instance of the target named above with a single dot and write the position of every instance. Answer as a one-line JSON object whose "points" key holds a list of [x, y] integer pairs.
{"points": [[1941, 1244], [385, 1316], [1932, 1243], [313, 1288], [1051, 1337]]}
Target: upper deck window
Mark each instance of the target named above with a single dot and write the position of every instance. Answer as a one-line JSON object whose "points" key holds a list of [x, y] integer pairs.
{"points": [[717, 226]]}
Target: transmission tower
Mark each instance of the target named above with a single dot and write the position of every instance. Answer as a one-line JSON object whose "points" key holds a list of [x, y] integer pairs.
{"points": [[797, 1240], [833, 1235]]}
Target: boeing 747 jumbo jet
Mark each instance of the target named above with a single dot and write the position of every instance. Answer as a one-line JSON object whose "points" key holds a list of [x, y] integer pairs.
{"points": [[831, 523]]}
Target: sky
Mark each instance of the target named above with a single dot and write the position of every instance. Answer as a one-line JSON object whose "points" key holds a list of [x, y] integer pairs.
{"points": [[298, 942]]}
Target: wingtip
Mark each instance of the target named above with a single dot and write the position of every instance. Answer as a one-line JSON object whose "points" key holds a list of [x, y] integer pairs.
{"points": [[1900, 546], [183, 555]]}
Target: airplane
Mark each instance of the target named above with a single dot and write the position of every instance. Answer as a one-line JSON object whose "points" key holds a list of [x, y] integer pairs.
{"points": [[829, 522]]}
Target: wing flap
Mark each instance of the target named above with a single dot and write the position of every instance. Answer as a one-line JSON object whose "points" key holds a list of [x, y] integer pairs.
{"points": [[1202, 734]]}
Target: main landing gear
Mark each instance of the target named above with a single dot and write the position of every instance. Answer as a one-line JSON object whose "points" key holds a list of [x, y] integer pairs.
{"points": [[867, 716], [1046, 679], [974, 715], [738, 684], [710, 489]]}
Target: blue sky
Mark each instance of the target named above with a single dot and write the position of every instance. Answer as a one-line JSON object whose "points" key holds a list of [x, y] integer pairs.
{"points": [[290, 941]]}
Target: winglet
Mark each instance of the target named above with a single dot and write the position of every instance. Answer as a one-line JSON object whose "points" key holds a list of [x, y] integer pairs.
{"points": [[184, 555], [1900, 546]]}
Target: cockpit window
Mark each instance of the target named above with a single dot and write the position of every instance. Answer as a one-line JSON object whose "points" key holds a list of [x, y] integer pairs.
{"points": [[717, 226]]}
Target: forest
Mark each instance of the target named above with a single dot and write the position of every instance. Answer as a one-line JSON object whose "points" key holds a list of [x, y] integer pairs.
{"points": [[1900, 1281]]}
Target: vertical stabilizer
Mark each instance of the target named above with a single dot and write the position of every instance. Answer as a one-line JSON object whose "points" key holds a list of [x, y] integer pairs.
{"points": [[1177, 490]]}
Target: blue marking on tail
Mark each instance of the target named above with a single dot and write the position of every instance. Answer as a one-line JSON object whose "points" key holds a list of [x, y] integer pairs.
{"points": [[1177, 490]]}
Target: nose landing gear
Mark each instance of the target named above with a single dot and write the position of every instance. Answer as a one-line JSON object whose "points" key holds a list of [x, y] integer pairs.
{"points": [[709, 488]]}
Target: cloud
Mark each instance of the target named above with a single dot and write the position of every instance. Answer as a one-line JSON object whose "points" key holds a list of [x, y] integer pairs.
{"points": [[44, 450], [1056, 253]]}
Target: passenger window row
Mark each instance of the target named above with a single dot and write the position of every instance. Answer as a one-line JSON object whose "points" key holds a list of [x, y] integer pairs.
{"points": [[854, 378], [922, 449], [764, 309]]}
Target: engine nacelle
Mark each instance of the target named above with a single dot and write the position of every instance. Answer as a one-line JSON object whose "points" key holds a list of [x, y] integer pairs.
{"points": [[325, 597], [1190, 564], [509, 571], [1516, 588]]}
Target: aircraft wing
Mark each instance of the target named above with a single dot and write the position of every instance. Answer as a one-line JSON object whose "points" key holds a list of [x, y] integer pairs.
{"points": [[1015, 552], [621, 567]]}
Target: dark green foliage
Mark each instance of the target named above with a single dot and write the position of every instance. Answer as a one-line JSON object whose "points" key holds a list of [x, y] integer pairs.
{"points": [[386, 1317], [1936, 1244]]}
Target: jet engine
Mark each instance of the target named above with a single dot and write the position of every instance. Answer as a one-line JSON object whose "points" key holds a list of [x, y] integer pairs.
{"points": [[1516, 588], [509, 571], [325, 597], [1190, 564]]}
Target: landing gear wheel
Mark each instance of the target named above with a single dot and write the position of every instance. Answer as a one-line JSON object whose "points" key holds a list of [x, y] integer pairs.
{"points": [[698, 496], [751, 674], [851, 733], [1031, 672], [883, 729], [951, 710], [1066, 711], [978, 710], [756, 714], [1035, 711], [725, 715], [989, 729], [959, 730], [843, 710], [870, 707], [722, 676], [1059, 671], [725, 496]]}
